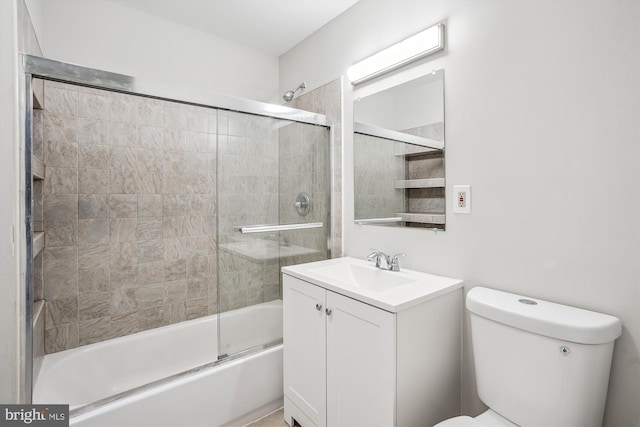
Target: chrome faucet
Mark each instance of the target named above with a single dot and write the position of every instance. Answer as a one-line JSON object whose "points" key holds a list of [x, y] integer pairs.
{"points": [[380, 258], [384, 261]]}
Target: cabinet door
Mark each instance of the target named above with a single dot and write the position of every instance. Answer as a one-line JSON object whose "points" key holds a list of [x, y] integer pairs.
{"points": [[361, 348], [304, 336]]}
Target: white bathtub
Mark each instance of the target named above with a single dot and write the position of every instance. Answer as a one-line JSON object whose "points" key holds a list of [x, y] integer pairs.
{"points": [[230, 393]]}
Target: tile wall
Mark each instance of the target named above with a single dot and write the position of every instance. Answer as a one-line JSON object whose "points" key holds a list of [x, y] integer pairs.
{"points": [[304, 152], [142, 203], [327, 100], [376, 170], [248, 174], [128, 209], [263, 164]]}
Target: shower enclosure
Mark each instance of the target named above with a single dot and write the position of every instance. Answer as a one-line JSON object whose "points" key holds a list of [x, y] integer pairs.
{"points": [[158, 207]]}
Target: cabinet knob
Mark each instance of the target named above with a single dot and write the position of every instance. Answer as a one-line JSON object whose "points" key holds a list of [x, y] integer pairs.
{"points": [[318, 307], [328, 311]]}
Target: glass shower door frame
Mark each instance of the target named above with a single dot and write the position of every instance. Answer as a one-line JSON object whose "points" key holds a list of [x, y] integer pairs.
{"points": [[47, 69], [253, 241]]}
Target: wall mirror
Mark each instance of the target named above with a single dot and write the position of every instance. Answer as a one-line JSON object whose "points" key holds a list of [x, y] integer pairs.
{"points": [[398, 152]]}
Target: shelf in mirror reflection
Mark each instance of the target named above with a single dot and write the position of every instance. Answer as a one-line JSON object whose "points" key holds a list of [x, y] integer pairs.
{"points": [[415, 141], [389, 220], [423, 218], [414, 150], [420, 183]]}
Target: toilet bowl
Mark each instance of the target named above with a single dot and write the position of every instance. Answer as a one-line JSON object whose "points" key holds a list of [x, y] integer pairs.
{"points": [[538, 363], [486, 419]]}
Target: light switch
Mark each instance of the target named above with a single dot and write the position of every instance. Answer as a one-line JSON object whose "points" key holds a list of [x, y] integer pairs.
{"points": [[462, 199]]}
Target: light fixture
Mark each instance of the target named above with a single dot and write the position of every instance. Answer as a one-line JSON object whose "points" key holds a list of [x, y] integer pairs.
{"points": [[418, 46]]}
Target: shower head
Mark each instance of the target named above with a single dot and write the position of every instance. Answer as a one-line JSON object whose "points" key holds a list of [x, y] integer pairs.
{"points": [[288, 95]]}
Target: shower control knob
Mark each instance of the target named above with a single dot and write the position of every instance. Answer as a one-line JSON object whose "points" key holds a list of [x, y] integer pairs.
{"points": [[318, 307], [328, 311], [302, 204]]}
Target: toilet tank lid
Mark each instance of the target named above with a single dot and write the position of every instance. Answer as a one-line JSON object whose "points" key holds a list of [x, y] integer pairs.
{"points": [[544, 317]]}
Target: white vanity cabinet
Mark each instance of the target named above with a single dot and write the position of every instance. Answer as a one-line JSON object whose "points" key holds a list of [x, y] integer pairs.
{"points": [[348, 363], [339, 357]]}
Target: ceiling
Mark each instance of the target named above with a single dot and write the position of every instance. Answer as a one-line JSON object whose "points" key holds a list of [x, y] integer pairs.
{"points": [[269, 26]]}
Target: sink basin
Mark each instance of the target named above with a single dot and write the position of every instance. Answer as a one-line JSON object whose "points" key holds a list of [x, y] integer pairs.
{"points": [[366, 277], [392, 291]]}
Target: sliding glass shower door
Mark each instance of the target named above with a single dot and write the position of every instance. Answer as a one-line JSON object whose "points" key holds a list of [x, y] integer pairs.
{"points": [[273, 209]]}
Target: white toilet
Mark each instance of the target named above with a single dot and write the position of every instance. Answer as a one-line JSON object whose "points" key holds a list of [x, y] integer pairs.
{"points": [[538, 364]]}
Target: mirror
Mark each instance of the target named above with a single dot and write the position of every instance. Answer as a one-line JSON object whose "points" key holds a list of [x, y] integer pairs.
{"points": [[398, 151]]}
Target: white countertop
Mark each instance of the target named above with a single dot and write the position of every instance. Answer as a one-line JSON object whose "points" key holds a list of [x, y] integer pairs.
{"points": [[414, 287]]}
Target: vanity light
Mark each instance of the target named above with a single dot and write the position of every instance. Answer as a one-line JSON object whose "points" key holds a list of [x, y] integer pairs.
{"points": [[418, 46]]}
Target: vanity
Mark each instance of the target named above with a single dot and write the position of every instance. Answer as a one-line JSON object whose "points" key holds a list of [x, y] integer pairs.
{"points": [[369, 347]]}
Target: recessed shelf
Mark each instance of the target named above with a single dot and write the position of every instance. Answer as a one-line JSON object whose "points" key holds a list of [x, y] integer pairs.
{"points": [[38, 242], [422, 218], [37, 168], [412, 151], [420, 183]]}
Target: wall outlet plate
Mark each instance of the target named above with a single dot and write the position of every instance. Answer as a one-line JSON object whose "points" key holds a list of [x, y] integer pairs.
{"points": [[462, 199]]}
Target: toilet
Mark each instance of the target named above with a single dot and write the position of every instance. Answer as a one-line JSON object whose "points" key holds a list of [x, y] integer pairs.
{"points": [[538, 363]]}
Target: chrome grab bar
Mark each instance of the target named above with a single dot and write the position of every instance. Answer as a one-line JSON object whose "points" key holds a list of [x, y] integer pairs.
{"points": [[378, 220], [280, 227]]}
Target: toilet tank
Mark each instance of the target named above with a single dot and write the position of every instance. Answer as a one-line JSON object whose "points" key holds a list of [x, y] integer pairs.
{"points": [[539, 363]]}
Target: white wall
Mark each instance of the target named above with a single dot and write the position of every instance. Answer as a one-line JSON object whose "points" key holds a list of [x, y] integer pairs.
{"points": [[13, 39], [108, 36], [542, 119], [9, 326]]}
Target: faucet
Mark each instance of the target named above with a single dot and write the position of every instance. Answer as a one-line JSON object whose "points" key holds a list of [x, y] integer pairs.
{"points": [[384, 261]]}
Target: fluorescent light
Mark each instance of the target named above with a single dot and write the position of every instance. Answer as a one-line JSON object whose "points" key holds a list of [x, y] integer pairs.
{"points": [[415, 47]]}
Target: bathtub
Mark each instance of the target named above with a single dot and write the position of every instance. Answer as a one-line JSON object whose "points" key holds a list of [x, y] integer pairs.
{"points": [[169, 376]]}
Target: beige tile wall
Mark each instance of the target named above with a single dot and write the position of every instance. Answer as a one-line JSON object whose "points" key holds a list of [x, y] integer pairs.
{"points": [[248, 195], [304, 158], [129, 213], [139, 194], [263, 164], [327, 100], [376, 170]]}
